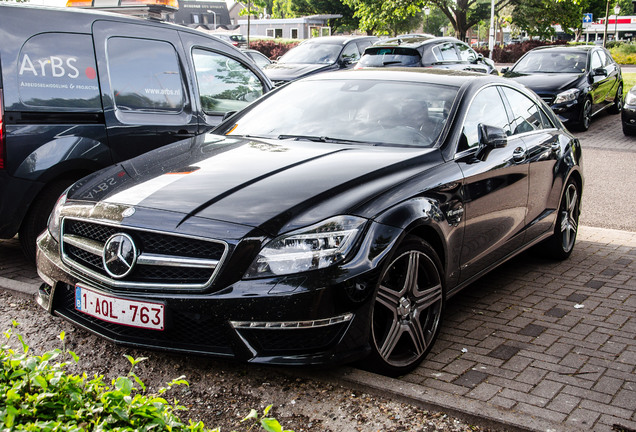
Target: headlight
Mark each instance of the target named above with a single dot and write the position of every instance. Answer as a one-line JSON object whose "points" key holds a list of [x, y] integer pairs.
{"points": [[311, 248], [54, 217], [630, 99], [567, 96]]}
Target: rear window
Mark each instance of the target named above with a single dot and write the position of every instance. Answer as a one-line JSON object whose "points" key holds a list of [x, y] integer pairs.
{"points": [[58, 70], [391, 56]]}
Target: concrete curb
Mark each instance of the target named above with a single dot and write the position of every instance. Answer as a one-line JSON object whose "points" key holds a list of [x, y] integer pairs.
{"points": [[20, 288]]}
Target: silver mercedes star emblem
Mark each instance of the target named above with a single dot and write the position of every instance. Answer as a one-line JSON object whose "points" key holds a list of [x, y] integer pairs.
{"points": [[120, 255]]}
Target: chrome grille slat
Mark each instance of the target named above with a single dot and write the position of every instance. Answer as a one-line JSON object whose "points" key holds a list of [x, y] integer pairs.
{"points": [[195, 261]]}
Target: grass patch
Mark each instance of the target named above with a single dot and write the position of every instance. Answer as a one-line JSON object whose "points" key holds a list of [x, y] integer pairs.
{"points": [[629, 80]]}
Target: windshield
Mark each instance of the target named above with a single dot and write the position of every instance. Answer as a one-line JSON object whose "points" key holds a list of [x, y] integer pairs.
{"points": [[378, 57], [312, 53], [552, 62], [361, 111]]}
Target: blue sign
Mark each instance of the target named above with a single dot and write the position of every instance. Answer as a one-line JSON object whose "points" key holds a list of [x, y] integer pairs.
{"points": [[587, 18]]}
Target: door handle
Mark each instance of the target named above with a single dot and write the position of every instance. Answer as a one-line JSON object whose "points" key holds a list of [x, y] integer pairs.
{"points": [[519, 155], [182, 134]]}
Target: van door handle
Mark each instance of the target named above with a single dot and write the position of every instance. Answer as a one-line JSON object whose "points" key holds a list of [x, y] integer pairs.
{"points": [[182, 134]]}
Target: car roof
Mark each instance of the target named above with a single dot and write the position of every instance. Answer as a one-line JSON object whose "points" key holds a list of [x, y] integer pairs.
{"points": [[570, 48], [337, 40], [81, 19], [414, 41], [455, 78]]}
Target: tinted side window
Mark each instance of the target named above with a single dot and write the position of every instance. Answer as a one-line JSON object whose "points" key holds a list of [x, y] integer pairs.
{"points": [[351, 53], [224, 83], [466, 53], [527, 114], [153, 84], [445, 52], [596, 61], [58, 70], [486, 108]]}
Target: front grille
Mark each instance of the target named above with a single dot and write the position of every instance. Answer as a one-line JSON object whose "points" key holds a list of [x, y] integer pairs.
{"points": [[185, 330], [164, 260]]}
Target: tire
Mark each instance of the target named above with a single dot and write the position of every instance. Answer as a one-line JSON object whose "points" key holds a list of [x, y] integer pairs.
{"points": [[37, 216], [617, 106], [560, 245], [628, 131], [585, 116], [407, 309]]}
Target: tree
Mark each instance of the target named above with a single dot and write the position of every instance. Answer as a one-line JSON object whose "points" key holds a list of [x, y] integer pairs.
{"points": [[537, 17], [463, 14], [328, 7], [387, 16]]}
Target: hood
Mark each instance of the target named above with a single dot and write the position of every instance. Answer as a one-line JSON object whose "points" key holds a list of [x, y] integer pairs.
{"points": [[546, 83], [264, 184], [292, 71]]}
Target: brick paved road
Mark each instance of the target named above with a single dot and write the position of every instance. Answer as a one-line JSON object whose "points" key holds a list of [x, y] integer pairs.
{"points": [[535, 345]]}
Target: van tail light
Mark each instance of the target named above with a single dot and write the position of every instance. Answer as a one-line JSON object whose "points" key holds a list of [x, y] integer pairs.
{"points": [[2, 132]]}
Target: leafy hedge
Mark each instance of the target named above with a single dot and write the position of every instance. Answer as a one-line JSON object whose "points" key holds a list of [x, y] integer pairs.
{"points": [[37, 394], [272, 49], [513, 52]]}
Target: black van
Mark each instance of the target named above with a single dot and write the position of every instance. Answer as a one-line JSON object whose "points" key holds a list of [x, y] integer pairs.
{"points": [[80, 90]]}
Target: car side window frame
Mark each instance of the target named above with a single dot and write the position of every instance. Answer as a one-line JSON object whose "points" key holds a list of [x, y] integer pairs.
{"points": [[198, 77], [513, 106], [350, 49], [486, 106]]}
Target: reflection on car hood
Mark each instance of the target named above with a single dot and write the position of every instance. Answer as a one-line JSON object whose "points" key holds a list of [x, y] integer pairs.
{"points": [[546, 82], [258, 183], [292, 71]]}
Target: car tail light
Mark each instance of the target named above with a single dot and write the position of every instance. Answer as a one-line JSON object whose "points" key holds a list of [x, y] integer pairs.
{"points": [[2, 133]]}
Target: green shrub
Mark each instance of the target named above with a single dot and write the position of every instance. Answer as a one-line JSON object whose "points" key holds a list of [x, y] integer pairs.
{"points": [[37, 394]]}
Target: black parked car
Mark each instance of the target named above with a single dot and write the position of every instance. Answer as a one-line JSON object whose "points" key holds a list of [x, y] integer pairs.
{"points": [[628, 114], [575, 81], [426, 51], [80, 90], [322, 232], [318, 55]]}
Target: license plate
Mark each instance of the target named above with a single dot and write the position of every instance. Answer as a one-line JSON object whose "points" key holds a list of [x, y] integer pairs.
{"points": [[132, 313]]}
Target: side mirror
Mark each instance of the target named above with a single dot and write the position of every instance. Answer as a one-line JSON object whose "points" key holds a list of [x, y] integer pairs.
{"points": [[490, 137], [345, 61], [599, 72], [505, 69]]}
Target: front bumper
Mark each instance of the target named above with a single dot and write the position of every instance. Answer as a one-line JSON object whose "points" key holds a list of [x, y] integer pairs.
{"points": [[628, 117], [568, 112], [293, 320]]}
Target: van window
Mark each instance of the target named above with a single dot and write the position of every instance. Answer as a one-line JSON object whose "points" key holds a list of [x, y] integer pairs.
{"points": [[58, 70], [145, 75], [224, 83]]}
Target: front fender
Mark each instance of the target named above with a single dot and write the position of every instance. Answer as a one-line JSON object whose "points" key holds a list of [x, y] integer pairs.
{"points": [[427, 218], [64, 154]]}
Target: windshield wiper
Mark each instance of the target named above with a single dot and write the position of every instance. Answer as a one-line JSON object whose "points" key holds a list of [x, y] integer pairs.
{"points": [[386, 63], [324, 139]]}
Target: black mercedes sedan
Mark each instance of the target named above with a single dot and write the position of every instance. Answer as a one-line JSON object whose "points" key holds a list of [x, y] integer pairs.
{"points": [[328, 222], [315, 55], [577, 82]]}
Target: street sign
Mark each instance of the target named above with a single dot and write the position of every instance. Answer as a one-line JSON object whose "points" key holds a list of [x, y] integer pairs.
{"points": [[587, 18]]}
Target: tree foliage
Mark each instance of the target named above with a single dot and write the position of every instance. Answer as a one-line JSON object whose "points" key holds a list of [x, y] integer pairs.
{"points": [[537, 17], [387, 16], [464, 14], [328, 7]]}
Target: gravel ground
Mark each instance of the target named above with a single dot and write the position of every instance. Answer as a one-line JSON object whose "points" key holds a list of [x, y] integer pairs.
{"points": [[222, 393]]}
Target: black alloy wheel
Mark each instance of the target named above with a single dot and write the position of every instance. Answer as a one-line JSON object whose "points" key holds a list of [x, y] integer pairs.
{"points": [[408, 308], [617, 106], [585, 116], [561, 243]]}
